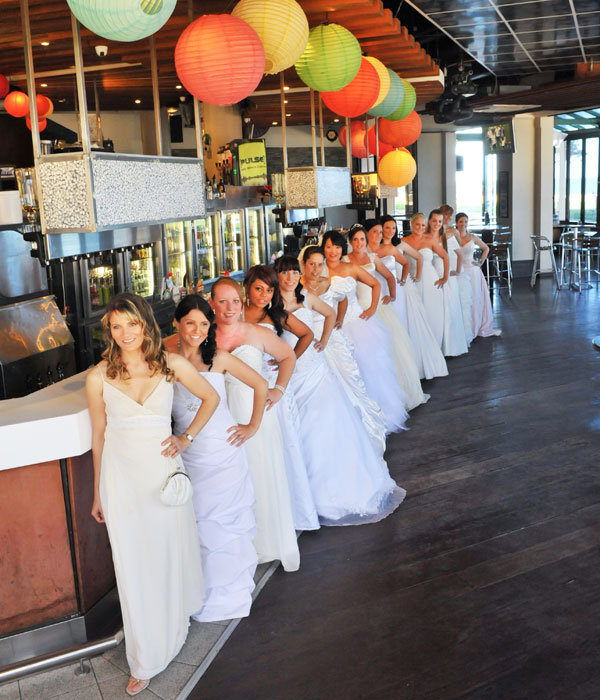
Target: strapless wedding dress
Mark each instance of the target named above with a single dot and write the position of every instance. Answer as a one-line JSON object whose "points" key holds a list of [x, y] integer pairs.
{"points": [[454, 341], [373, 354], [462, 287], [275, 533], [431, 296], [482, 316], [350, 481], [339, 354]]}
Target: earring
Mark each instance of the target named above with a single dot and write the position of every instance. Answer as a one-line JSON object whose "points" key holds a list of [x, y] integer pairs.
{"points": [[269, 305]]}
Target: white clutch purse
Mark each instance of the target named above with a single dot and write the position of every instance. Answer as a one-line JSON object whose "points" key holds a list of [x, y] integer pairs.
{"points": [[177, 488]]}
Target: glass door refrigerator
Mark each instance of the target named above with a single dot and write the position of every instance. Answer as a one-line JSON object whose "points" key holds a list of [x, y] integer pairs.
{"points": [[179, 237], [273, 235], [143, 270], [255, 241], [232, 227], [208, 247]]}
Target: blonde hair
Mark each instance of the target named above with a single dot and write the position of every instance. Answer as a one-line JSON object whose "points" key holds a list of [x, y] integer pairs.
{"points": [[138, 310], [418, 215]]}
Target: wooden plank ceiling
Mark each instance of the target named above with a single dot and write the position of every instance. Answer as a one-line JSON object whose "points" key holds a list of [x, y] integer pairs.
{"points": [[379, 33]]}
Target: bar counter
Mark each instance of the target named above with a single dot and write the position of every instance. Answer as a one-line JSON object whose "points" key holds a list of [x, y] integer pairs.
{"points": [[57, 579]]}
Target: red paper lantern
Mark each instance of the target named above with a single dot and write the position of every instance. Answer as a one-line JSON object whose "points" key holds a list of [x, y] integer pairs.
{"points": [[42, 124], [357, 139], [219, 59], [403, 132], [44, 106], [358, 96], [4, 86], [383, 147], [16, 103]]}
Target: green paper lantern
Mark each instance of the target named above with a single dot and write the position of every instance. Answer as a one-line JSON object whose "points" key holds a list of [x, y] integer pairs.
{"points": [[392, 100], [331, 58], [407, 105], [122, 20]]}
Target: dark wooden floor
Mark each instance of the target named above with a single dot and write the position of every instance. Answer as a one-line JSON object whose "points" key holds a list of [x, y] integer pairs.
{"points": [[486, 581]]}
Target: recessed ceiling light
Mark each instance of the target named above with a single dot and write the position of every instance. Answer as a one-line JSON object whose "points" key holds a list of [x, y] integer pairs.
{"points": [[288, 115], [45, 43], [336, 120], [285, 102], [274, 123], [137, 102], [178, 87], [43, 84], [285, 87]]}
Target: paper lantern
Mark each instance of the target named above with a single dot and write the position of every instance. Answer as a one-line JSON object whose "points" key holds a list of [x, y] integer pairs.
{"points": [[42, 124], [122, 20], [392, 99], [409, 100], [282, 27], [403, 132], [358, 96], [4, 86], [384, 78], [44, 106], [383, 147], [219, 59], [397, 168], [331, 59], [16, 103], [357, 139]]}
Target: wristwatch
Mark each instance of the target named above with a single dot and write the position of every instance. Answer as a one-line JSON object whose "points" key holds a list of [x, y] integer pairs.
{"points": [[188, 436]]}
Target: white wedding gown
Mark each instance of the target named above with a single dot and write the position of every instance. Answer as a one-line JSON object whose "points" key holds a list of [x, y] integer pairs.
{"points": [[403, 351], [462, 287], [430, 359], [275, 533], [431, 296], [350, 481], [482, 317], [373, 354], [454, 341], [154, 546], [339, 354], [223, 502]]}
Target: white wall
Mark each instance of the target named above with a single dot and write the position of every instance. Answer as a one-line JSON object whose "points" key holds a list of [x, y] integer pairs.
{"points": [[123, 128], [430, 171]]}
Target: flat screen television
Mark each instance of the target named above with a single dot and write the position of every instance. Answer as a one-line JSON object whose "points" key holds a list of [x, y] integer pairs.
{"points": [[499, 138]]}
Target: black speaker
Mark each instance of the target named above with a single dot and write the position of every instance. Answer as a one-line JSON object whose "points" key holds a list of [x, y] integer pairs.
{"points": [[176, 128]]}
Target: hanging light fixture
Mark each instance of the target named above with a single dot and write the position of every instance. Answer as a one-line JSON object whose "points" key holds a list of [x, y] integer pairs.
{"points": [[384, 78], [219, 59], [42, 124], [358, 96], [331, 59], [392, 99], [4, 86], [409, 100], [397, 168], [402, 132], [383, 147], [282, 27], [44, 106], [122, 20], [357, 139], [16, 103]]}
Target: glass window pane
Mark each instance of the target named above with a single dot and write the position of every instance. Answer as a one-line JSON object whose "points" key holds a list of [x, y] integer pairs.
{"points": [[469, 180], [490, 185], [575, 161], [591, 180]]}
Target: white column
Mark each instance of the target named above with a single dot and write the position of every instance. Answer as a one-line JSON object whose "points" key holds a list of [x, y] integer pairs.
{"points": [[523, 187], [544, 182]]}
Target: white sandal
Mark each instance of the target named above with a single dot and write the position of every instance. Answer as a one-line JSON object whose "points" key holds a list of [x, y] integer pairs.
{"points": [[133, 682]]}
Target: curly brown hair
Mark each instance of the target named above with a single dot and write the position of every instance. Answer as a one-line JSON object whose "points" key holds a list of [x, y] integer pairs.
{"points": [[139, 311]]}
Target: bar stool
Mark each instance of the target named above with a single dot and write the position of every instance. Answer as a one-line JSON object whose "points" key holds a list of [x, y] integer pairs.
{"points": [[566, 253], [590, 249], [499, 259], [579, 269], [542, 244]]}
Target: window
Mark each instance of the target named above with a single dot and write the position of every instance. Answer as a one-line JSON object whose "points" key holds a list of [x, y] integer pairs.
{"points": [[590, 183], [470, 178], [582, 179], [574, 179]]}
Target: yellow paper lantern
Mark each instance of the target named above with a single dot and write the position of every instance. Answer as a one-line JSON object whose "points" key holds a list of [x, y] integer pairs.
{"points": [[282, 27], [384, 78], [397, 168]]}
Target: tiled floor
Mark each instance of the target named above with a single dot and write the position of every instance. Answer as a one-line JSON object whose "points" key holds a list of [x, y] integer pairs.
{"points": [[106, 676]]}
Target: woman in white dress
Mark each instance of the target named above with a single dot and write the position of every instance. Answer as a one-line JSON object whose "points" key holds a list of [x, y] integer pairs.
{"points": [[482, 317], [154, 546], [430, 284], [350, 482], [368, 335], [217, 466], [455, 339], [430, 359], [403, 352], [338, 349], [263, 307], [275, 533]]}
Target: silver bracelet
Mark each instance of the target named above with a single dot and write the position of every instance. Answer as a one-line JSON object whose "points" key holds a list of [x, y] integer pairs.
{"points": [[281, 388], [189, 437]]}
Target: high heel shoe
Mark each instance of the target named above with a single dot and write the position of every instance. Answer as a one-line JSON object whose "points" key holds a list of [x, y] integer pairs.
{"points": [[136, 686]]}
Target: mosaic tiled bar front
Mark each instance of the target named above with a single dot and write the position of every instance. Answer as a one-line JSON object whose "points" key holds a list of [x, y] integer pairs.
{"points": [[317, 187]]}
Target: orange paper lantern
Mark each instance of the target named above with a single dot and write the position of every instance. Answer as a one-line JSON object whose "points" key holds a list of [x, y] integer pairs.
{"points": [[397, 168], [4, 86], [402, 132], [16, 103], [357, 139], [44, 106], [219, 59], [383, 147], [42, 124], [358, 96]]}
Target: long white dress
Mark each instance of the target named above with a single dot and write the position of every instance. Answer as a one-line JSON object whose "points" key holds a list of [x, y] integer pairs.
{"points": [[403, 351], [454, 341], [430, 359], [275, 533], [431, 296], [223, 502], [304, 509], [350, 481], [482, 317], [373, 354], [339, 354], [462, 287], [154, 547]]}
